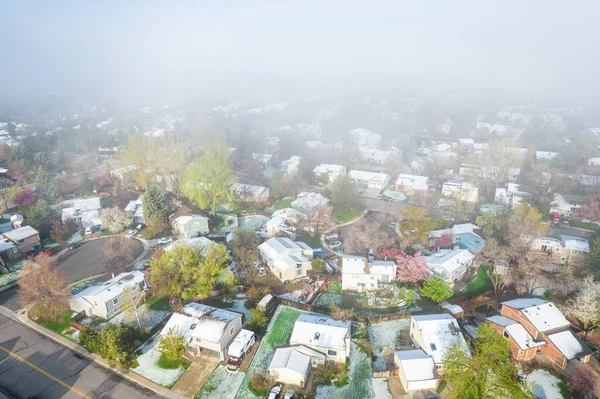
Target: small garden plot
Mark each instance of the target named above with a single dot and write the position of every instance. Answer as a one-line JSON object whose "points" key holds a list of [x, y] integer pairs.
{"points": [[360, 383], [149, 318], [545, 385], [326, 299], [278, 333], [221, 384], [304, 294], [382, 336], [149, 368], [16, 269]]}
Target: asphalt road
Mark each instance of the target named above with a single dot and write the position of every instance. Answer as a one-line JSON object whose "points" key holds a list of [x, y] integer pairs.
{"points": [[557, 231], [48, 370], [86, 261]]}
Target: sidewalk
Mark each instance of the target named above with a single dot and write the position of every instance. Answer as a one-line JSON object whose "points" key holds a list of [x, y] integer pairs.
{"points": [[23, 318]]}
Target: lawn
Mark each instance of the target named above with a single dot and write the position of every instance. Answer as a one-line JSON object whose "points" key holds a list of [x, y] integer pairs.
{"points": [[220, 384], [382, 336], [313, 242], [583, 225], [61, 324], [344, 217], [278, 333], [158, 303], [149, 368], [283, 203], [480, 284], [344, 300]]}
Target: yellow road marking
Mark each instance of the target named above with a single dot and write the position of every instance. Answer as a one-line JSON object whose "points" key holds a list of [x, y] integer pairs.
{"points": [[33, 366]]}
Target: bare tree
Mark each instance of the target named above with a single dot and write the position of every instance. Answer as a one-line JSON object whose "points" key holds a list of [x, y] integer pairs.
{"points": [[495, 256], [365, 235], [44, 285], [122, 247], [5, 185]]}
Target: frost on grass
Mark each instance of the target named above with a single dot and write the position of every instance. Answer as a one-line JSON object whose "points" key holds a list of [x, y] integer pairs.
{"points": [[360, 383], [149, 318], [221, 384], [382, 336], [71, 333], [380, 389], [278, 333], [327, 299], [147, 366], [544, 385]]}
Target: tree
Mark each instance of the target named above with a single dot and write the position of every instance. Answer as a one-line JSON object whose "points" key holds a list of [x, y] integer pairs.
{"points": [[206, 179], [415, 224], [445, 241], [255, 294], [388, 253], [487, 373], [116, 344], [26, 197], [344, 196], [367, 235], [61, 232], [45, 286], [40, 216], [262, 381], [494, 256], [436, 289], [119, 255], [115, 220], [5, 185], [411, 269], [590, 211], [490, 223], [154, 206], [172, 346], [583, 382], [258, 319], [105, 181], [593, 258], [318, 264], [523, 226], [46, 184], [585, 306]]}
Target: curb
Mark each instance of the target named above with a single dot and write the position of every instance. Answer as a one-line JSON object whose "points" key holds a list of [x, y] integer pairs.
{"points": [[96, 359], [8, 286]]}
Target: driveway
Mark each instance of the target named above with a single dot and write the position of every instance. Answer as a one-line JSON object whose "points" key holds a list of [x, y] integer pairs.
{"points": [[191, 382]]}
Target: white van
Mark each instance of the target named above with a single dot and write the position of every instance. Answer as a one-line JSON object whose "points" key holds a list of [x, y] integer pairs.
{"points": [[241, 344]]}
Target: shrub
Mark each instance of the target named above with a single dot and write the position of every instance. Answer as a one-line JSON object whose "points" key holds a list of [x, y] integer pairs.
{"points": [[583, 381], [261, 381], [328, 373]]}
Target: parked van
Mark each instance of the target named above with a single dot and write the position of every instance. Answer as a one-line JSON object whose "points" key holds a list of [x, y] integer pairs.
{"points": [[241, 344], [555, 218], [266, 303]]}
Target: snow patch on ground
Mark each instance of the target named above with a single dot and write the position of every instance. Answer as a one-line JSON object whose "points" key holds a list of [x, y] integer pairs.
{"points": [[221, 384], [147, 365], [544, 385], [6, 279], [149, 318], [327, 299], [380, 389], [72, 333], [382, 336]]}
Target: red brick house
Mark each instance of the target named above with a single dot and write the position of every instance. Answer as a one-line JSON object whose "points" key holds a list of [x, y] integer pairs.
{"points": [[532, 325]]}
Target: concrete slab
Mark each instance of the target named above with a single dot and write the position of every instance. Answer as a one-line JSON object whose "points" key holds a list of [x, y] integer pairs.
{"points": [[190, 383]]}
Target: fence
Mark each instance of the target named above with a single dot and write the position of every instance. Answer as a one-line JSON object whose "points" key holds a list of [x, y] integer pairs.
{"points": [[251, 213], [302, 306], [385, 373], [323, 276], [76, 319], [382, 317]]}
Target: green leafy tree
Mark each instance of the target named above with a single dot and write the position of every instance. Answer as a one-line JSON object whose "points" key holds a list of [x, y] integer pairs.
{"points": [[207, 178], [593, 258], [258, 319], [436, 289], [415, 224], [172, 347], [490, 223], [487, 373], [154, 206], [344, 197], [40, 216], [318, 264], [116, 344]]}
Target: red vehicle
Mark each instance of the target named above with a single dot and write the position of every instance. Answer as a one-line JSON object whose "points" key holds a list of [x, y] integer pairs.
{"points": [[47, 251], [555, 218]]}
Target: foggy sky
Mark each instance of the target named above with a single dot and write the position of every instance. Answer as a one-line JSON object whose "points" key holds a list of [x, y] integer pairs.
{"points": [[150, 49]]}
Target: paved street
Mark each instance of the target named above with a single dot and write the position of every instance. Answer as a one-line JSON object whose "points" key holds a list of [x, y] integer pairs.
{"points": [[32, 366], [557, 231]]}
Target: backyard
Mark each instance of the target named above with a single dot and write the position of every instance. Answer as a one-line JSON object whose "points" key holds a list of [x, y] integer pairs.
{"points": [[283, 203], [479, 285], [344, 217], [385, 335], [149, 365], [342, 299]]}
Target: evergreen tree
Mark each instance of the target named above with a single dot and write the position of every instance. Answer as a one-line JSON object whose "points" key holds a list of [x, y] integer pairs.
{"points": [[154, 206], [46, 184]]}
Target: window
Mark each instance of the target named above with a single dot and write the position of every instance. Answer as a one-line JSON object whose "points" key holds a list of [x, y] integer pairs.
{"points": [[506, 334], [192, 326], [433, 347], [231, 331], [456, 238], [317, 335], [331, 353], [438, 366], [115, 301], [134, 287], [21, 241]]}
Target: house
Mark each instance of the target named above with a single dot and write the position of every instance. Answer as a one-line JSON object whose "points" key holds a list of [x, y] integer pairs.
{"points": [[277, 225], [248, 193], [369, 179], [84, 212], [205, 327], [362, 136], [411, 183], [135, 210], [461, 191], [18, 242], [109, 298], [465, 235], [264, 160], [370, 153], [563, 249], [594, 162], [534, 324], [125, 174], [191, 225], [561, 206], [309, 203], [289, 215], [330, 170], [545, 155], [287, 259], [466, 144], [512, 195], [202, 244], [290, 166], [435, 334], [449, 264], [8, 250], [271, 144], [324, 335], [361, 274], [416, 370], [291, 364]]}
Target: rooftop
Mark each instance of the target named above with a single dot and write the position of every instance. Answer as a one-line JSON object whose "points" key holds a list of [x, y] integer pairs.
{"points": [[568, 344], [439, 332], [320, 331], [290, 358], [416, 364], [370, 176], [21, 233], [542, 314], [450, 259]]}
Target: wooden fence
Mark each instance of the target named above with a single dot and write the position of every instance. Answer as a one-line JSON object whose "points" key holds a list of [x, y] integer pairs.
{"points": [[251, 213], [385, 373], [382, 317], [323, 276], [76, 319]]}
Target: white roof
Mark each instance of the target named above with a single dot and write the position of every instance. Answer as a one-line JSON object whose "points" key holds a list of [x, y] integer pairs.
{"points": [[449, 259], [542, 314], [368, 176], [353, 264], [516, 331], [134, 205], [180, 324], [466, 141], [545, 154], [247, 188], [439, 332], [501, 320], [112, 288], [203, 244], [382, 267], [463, 228], [451, 307], [211, 321], [309, 201], [575, 243], [87, 204], [288, 214], [320, 331], [182, 220], [327, 168], [416, 364], [416, 182], [290, 358], [284, 251], [21, 233], [239, 342], [568, 344]]}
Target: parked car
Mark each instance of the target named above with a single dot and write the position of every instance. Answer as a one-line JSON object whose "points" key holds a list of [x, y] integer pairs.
{"points": [[164, 240], [555, 218], [318, 251], [75, 245], [448, 218], [289, 394], [47, 251], [88, 230], [274, 392], [332, 236], [335, 244], [131, 233], [393, 225]]}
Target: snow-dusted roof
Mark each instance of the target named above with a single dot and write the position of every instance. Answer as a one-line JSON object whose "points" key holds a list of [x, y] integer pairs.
{"points": [[21, 233], [180, 324], [463, 228], [414, 181], [247, 188], [290, 358], [516, 331], [353, 264], [449, 259], [288, 214], [439, 332], [284, 252], [545, 155], [87, 204], [112, 288], [559, 202], [382, 267], [309, 201], [542, 314], [327, 168], [182, 220], [132, 206], [368, 176], [501, 320], [575, 243], [568, 344], [416, 364], [203, 244], [452, 307], [320, 331]]}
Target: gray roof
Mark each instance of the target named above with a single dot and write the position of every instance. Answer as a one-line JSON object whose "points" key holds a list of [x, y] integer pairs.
{"points": [[21, 233]]}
